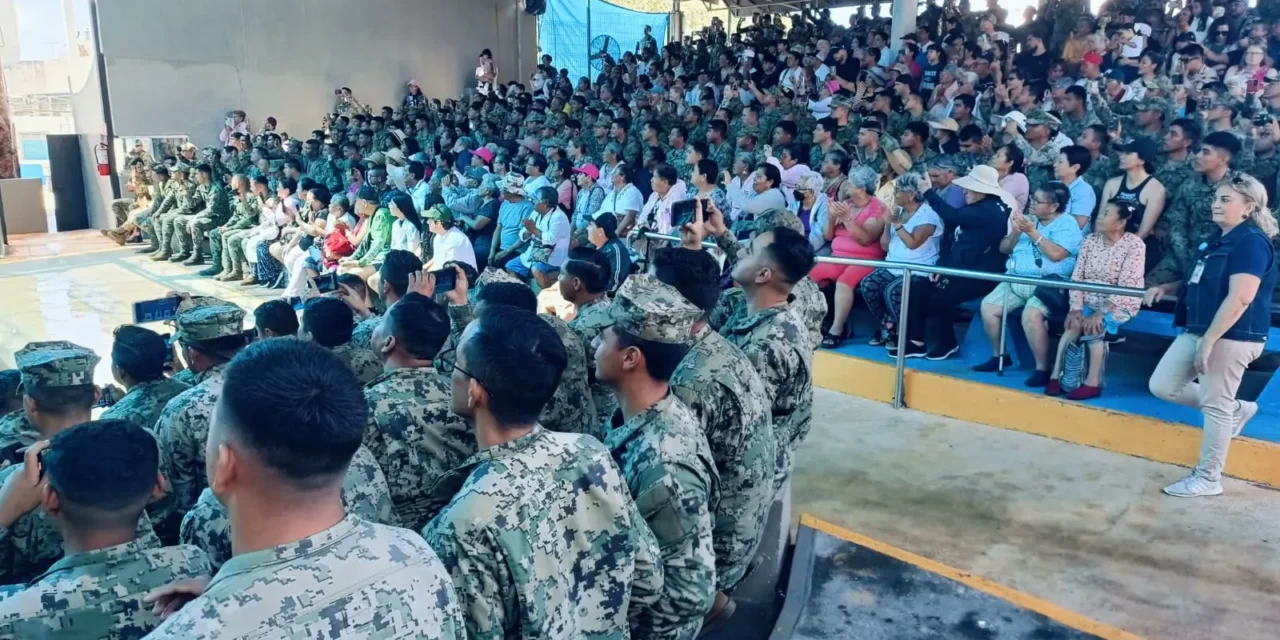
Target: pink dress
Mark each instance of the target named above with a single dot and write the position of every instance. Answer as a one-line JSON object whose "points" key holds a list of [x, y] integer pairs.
{"points": [[844, 245]]}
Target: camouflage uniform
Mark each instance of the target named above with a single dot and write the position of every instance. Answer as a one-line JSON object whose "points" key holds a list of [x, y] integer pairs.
{"points": [[121, 207], [226, 243], [362, 361], [778, 344], [1101, 170], [355, 579], [183, 426], [1190, 224], [183, 205], [592, 319], [362, 334], [518, 502], [571, 409], [723, 154], [99, 593], [16, 433], [1096, 112], [677, 159], [364, 494], [817, 154], [669, 469], [162, 200], [144, 402], [416, 438], [808, 300]]}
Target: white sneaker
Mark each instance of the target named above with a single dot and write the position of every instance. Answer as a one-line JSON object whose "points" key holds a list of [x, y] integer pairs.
{"points": [[1247, 411], [1193, 486]]}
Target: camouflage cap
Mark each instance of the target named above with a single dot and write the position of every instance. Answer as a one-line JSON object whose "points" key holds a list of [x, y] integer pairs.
{"points": [[647, 308], [604, 121], [492, 276], [1039, 116], [208, 318], [553, 142], [57, 363], [1152, 103], [771, 219], [841, 101]]}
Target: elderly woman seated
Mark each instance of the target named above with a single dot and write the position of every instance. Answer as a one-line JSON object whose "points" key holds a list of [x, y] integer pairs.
{"points": [[1042, 244], [811, 206], [912, 234], [854, 230]]}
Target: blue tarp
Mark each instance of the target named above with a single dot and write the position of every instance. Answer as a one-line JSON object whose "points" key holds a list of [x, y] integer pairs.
{"points": [[563, 32]]}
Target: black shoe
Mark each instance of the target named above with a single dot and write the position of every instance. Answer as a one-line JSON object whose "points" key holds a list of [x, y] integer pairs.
{"points": [[831, 341], [940, 353], [1037, 379], [913, 350], [994, 365]]}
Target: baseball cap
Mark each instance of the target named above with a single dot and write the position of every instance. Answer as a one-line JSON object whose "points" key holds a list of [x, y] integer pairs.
{"points": [[590, 170], [1143, 146], [1093, 57]]}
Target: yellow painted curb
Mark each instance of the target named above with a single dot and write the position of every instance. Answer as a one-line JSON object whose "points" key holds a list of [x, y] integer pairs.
{"points": [[1049, 610], [1141, 436]]}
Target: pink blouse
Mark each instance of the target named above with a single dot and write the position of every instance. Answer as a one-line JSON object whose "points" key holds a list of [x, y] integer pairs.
{"points": [[1122, 265], [844, 245]]}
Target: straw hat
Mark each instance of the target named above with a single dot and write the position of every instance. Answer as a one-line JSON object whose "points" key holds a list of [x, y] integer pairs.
{"points": [[983, 179], [946, 124], [900, 160]]}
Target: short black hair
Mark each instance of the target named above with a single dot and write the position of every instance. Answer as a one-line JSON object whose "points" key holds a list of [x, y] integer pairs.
{"points": [[103, 472], [396, 268], [970, 133], [788, 127], [608, 223], [667, 173], [278, 316], [1223, 140], [139, 352], [62, 401], [329, 321], [511, 294], [419, 324], [792, 253], [518, 358], [590, 267], [297, 408], [1190, 128], [1078, 155], [660, 358], [1077, 91], [920, 129], [691, 271]]}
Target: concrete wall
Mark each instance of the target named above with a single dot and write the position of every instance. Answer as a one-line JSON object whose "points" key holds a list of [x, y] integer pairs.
{"points": [[177, 66]]}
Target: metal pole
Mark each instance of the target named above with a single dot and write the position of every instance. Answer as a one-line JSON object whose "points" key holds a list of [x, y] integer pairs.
{"points": [[899, 401], [589, 74], [1004, 316]]}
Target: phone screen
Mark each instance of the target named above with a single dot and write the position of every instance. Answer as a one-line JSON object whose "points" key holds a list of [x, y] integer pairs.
{"points": [[157, 310], [682, 212], [445, 280], [327, 283]]}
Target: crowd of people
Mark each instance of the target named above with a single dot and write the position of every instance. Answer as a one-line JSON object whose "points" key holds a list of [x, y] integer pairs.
{"points": [[520, 414]]}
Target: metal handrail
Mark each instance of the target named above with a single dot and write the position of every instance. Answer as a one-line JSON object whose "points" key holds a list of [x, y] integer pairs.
{"points": [[909, 269]]}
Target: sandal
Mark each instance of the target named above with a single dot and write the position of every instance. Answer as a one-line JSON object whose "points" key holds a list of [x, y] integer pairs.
{"points": [[830, 341]]}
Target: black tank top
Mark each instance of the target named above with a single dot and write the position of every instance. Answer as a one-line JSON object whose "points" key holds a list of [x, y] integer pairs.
{"points": [[1128, 194]]}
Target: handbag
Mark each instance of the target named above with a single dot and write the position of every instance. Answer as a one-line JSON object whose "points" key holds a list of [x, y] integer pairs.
{"points": [[1056, 299]]}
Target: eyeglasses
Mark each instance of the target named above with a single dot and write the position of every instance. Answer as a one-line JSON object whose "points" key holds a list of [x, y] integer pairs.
{"points": [[451, 364]]}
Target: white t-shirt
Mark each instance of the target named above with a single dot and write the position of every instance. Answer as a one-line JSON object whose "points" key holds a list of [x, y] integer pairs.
{"points": [[926, 253], [405, 236], [620, 201], [453, 245]]}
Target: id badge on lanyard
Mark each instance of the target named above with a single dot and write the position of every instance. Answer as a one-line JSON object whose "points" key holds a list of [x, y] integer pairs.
{"points": [[1199, 268]]}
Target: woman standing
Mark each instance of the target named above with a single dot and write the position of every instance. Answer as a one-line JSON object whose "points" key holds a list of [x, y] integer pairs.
{"points": [[854, 229], [1224, 304], [1112, 255]]}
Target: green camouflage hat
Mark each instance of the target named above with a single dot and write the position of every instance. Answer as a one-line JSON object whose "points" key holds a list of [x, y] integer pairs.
{"points": [[841, 101], [604, 121], [57, 363], [647, 308], [439, 212], [208, 318], [492, 276], [1040, 116], [552, 142], [771, 219], [1152, 103]]}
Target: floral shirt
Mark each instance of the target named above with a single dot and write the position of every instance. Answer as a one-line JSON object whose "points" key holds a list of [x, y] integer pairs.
{"points": [[1120, 264]]}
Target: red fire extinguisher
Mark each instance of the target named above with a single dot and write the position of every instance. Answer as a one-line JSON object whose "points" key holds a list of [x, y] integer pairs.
{"points": [[100, 154]]}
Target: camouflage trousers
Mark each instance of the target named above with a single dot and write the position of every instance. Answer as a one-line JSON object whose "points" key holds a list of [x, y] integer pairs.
{"points": [[233, 258], [191, 235], [166, 226], [121, 208]]}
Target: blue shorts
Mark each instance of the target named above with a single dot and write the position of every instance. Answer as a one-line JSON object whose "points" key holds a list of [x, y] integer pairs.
{"points": [[518, 266]]}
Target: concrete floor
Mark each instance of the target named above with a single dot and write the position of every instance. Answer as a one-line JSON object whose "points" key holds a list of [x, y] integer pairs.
{"points": [[1083, 528]]}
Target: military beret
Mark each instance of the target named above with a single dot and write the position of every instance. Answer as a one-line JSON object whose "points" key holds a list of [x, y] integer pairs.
{"points": [[56, 363], [648, 309], [208, 318], [771, 219]]}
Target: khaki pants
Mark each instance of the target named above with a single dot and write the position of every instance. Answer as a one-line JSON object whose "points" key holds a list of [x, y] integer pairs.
{"points": [[1214, 393]]}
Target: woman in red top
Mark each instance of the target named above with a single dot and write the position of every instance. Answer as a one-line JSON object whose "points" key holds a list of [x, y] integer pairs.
{"points": [[853, 229]]}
